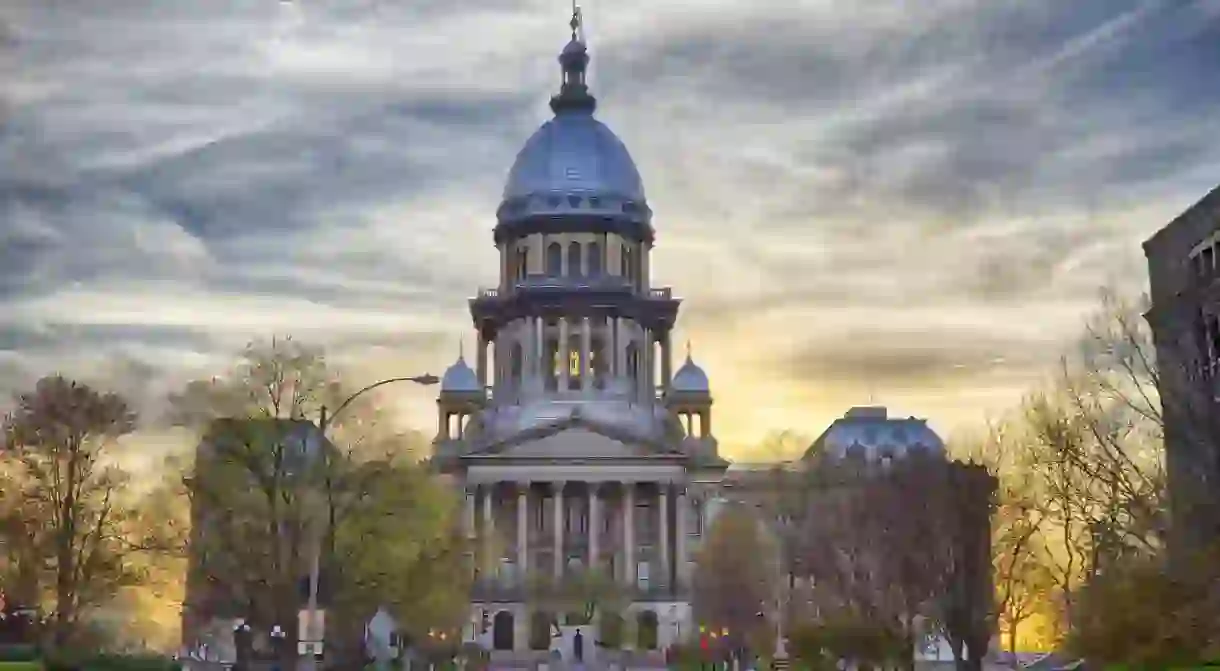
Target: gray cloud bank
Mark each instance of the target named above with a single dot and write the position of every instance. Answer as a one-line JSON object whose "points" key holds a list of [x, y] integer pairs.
{"points": [[177, 179]]}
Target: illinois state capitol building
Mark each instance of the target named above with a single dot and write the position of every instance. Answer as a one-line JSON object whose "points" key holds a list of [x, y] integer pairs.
{"points": [[578, 446]]}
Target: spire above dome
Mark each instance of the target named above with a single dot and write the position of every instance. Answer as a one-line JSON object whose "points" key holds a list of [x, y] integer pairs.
{"points": [[574, 59]]}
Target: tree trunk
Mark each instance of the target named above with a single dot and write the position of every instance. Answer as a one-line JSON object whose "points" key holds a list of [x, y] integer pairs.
{"points": [[64, 561]]}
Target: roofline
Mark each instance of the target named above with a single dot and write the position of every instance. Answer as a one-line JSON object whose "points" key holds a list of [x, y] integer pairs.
{"points": [[1211, 198]]}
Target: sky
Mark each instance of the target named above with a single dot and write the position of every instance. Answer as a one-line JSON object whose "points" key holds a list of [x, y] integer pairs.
{"points": [[910, 204]]}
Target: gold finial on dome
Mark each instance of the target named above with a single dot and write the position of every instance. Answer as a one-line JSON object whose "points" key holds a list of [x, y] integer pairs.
{"points": [[576, 23]]}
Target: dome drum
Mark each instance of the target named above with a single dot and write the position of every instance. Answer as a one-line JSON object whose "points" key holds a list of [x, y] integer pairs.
{"points": [[637, 228], [656, 309]]}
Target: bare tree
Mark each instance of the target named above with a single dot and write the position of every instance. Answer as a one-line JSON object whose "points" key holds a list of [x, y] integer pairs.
{"points": [[735, 578], [854, 553], [59, 441], [898, 545]]}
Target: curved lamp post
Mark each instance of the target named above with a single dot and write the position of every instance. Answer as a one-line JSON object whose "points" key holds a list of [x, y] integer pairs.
{"points": [[324, 422]]}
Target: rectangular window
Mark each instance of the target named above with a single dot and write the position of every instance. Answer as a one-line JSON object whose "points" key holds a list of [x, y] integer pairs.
{"points": [[544, 505]]}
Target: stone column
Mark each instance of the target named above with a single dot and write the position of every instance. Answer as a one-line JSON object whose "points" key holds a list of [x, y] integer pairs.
{"points": [[629, 567], [595, 524], [489, 528], [468, 519], [666, 360], [606, 351], [565, 355], [559, 557], [523, 555], [481, 367], [682, 510], [586, 361], [663, 531], [525, 336], [645, 266], [620, 348], [539, 350], [645, 365]]}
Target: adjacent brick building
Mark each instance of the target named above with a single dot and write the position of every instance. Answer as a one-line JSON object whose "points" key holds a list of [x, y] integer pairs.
{"points": [[1184, 316]]}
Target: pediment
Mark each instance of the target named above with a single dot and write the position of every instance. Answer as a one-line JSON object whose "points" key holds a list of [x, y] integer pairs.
{"points": [[574, 443], [575, 438]]}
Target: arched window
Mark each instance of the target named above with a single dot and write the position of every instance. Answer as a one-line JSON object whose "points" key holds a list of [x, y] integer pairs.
{"points": [[595, 259], [646, 630], [576, 369], [502, 631], [576, 268], [515, 364], [554, 259], [610, 629], [540, 631]]}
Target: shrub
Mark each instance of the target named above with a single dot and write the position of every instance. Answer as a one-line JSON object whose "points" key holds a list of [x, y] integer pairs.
{"points": [[18, 653]]}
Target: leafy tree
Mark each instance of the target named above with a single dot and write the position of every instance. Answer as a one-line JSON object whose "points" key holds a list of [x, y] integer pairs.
{"points": [[579, 597], [736, 577], [1141, 615], [399, 547], [72, 508], [272, 487]]}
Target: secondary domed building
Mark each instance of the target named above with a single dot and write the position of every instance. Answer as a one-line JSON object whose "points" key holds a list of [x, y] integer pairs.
{"points": [[578, 448]]}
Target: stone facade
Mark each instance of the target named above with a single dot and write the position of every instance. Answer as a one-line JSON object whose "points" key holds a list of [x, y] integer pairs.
{"points": [[1184, 316]]}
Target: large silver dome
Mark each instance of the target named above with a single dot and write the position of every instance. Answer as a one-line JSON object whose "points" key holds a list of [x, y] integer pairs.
{"points": [[873, 435], [574, 154]]}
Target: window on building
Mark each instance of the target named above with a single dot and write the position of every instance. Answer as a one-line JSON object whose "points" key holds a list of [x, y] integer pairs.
{"points": [[515, 363], [576, 266], [540, 514], [523, 263], [595, 259], [554, 259], [552, 355]]}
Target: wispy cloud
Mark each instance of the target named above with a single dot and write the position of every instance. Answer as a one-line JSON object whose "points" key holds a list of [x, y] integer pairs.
{"points": [[921, 201]]}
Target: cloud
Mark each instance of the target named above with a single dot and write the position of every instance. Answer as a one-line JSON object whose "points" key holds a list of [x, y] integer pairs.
{"points": [[843, 191]]}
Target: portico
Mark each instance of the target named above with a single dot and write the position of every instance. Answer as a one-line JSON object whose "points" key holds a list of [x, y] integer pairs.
{"points": [[635, 531]]}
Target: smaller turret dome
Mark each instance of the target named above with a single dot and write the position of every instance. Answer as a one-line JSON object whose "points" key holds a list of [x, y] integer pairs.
{"points": [[690, 378], [460, 378]]}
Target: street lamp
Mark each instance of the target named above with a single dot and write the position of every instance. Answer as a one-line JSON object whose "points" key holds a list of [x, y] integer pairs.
{"points": [[324, 422]]}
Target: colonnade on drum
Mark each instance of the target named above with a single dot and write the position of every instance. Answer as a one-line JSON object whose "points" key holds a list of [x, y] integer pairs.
{"points": [[638, 532]]}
